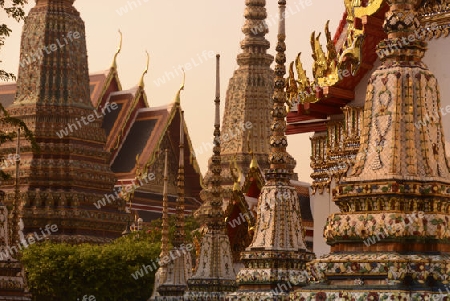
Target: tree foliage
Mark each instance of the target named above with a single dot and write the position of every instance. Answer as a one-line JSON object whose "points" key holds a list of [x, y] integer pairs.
{"points": [[58, 271], [11, 122], [14, 9]]}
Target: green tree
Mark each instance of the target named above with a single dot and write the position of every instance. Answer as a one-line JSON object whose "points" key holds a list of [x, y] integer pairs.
{"points": [[58, 271], [14, 9], [7, 121]]}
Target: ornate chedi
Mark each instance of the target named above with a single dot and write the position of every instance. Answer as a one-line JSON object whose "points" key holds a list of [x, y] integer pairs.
{"points": [[179, 269], [276, 259], [390, 240], [215, 275], [246, 121], [60, 183]]}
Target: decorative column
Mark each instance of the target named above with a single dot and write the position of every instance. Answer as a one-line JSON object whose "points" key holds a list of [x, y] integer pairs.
{"points": [[275, 260], [215, 276]]}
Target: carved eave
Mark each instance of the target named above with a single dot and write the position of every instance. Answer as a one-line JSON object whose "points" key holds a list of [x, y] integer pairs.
{"points": [[160, 124], [119, 121], [102, 84], [438, 12], [328, 100]]}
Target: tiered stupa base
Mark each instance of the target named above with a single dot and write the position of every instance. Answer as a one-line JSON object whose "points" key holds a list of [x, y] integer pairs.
{"points": [[378, 276], [12, 282], [275, 261], [208, 284], [178, 270]]}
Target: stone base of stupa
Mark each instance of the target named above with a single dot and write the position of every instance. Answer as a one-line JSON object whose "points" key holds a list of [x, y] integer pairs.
{"points": [[13, 282], [215, 276], [378, 276], [271, 275], [178, 271]]}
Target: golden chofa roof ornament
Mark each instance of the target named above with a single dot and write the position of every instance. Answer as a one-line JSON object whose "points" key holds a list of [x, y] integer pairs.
{"points": [[114, 63], [141, 82], [331, 67]]}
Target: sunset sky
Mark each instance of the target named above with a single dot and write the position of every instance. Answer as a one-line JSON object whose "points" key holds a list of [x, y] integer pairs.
{"points": [[177, 32]]}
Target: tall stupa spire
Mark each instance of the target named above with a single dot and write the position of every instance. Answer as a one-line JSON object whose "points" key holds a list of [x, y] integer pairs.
{"points": [[179, 268], [179, 226], [278, 230], [248, 99], [390, 240], [70, 173], [215, 275], [165, 211]]}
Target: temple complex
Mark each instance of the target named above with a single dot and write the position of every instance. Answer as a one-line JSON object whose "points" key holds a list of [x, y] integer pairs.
{"points": [[380, 180]]}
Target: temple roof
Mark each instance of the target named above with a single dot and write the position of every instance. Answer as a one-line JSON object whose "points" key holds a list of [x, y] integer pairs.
{"points": [[135, 130], [311, 117]]}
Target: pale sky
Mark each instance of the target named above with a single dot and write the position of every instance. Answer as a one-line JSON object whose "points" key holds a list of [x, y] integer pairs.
{"points": [[176, 32]]}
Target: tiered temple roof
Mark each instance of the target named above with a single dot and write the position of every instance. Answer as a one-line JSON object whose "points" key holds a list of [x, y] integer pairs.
{"points": [[135, 134]]}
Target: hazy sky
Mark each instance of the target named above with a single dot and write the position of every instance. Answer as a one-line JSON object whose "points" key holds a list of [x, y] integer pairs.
{"points": [[176, 32]]}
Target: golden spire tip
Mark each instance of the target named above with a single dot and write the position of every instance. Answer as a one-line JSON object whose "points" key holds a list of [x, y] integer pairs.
{"points": [[114, 64], [141, 82]]}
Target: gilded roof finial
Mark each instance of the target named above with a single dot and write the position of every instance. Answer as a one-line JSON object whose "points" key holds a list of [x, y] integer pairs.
{"points": [[141, 82], [237, 176], [177, 97], [254, 162], [165, 213], [114, 64], [179, 227]]}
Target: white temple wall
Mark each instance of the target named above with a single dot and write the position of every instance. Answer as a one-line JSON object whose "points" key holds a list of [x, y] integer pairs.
{"points": [[322, 206], [437, 59]]}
